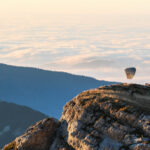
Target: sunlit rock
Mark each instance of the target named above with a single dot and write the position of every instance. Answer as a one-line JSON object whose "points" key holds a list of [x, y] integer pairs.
{"points": [[113, 117]]}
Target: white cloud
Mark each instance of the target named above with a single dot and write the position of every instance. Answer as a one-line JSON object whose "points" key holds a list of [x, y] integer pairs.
{"points": [[5, 129], [96, 49], [146, 62]]}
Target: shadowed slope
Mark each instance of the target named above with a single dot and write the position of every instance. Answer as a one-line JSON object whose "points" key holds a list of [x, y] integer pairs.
{"points": [[46, 91], [15, 119]]}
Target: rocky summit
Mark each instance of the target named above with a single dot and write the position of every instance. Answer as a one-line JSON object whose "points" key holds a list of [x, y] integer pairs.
{"points": [[115, 117]]}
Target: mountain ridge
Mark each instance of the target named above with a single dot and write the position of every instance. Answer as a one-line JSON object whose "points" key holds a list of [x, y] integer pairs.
{"points": [[35, 88], [14, 120]]}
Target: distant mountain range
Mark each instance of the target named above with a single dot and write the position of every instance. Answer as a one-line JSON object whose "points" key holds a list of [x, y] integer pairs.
{"points": [[42, 90], [14, 120]]}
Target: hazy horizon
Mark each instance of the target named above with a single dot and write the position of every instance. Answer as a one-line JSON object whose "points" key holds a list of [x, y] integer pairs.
{"points": [[94, 38]]}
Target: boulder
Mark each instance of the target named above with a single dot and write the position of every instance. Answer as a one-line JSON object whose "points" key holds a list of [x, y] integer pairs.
{"points": [[37, 137], [108, 118]]}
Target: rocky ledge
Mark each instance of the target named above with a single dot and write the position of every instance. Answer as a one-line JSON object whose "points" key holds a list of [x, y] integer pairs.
{"points": [[113, 117]]}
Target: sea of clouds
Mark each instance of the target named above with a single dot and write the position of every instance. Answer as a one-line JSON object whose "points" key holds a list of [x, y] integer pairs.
{"points": [[100, 47]]}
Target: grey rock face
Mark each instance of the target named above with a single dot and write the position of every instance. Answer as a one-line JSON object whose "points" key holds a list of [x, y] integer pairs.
{"points": [[108, 118]]}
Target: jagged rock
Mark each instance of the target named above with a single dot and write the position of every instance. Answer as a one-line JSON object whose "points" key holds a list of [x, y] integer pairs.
{"points": [[113, 117], [37, 137], [109, 118], [59, 143]]}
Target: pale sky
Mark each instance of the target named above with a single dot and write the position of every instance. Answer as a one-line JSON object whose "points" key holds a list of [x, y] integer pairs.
{"points": [[74, 6]]}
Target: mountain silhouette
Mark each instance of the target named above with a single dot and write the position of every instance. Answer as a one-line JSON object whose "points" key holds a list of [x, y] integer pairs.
{"points": [[15, 119], [42, 90]]}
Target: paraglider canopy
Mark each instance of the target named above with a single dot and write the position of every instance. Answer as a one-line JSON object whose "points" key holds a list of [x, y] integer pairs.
{"points": [[130, 72]]}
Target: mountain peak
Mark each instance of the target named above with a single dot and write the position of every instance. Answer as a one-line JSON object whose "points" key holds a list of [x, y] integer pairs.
{"points": [[113, 117]]}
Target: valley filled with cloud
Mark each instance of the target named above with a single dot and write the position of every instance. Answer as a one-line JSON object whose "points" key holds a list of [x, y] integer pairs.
{"points": [[100, 47]]}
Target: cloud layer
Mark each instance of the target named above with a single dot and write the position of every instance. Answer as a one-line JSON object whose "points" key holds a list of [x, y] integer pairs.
{"points": [[98, 49]]}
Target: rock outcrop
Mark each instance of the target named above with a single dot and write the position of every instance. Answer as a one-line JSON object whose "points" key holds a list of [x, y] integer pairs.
{"points": [[38, 136], [113, 117]]}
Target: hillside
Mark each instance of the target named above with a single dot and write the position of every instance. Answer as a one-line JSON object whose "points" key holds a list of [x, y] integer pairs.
{"points": [[113, 117], [45, 91], [14, 120]]}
